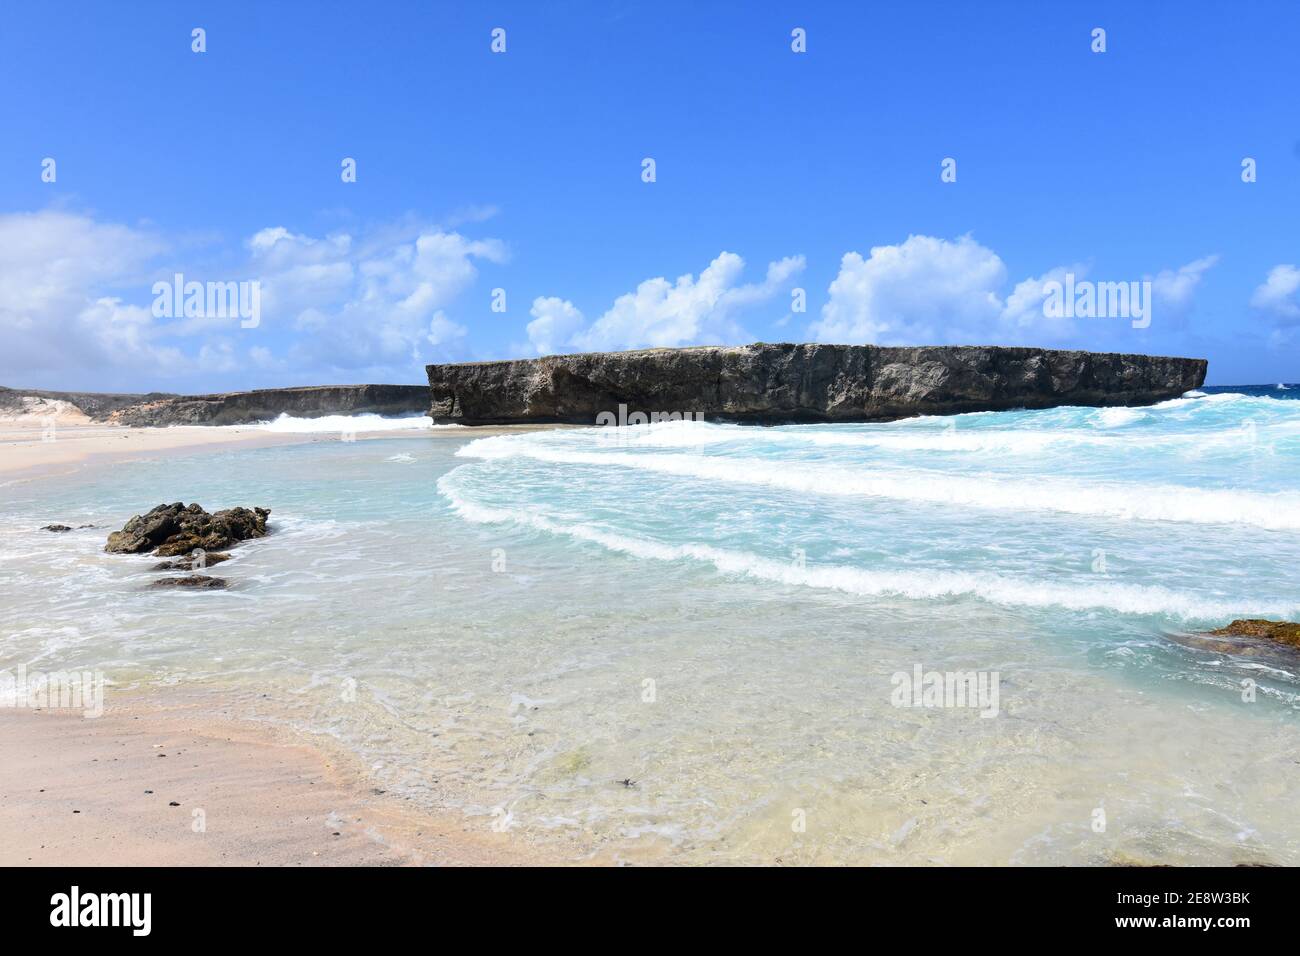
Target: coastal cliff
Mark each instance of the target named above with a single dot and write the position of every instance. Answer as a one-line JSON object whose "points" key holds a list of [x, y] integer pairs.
{"points": [[773, 384], [226, 408], [240, 408]]}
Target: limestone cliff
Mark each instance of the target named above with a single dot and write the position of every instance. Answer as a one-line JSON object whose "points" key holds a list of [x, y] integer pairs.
{"points": [[233, 408], [772, 384]]}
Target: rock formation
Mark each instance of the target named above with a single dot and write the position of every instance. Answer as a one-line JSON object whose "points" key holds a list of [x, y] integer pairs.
{"points": [[1284, 632], [228, 408], [201, 581], [171, 530], [774, 384], [241, 408]]}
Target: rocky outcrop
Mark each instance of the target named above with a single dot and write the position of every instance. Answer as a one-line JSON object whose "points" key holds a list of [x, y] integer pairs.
{"points": [[241, 408], [98, 406], [774, 384], [171, 530], [224, 408]]}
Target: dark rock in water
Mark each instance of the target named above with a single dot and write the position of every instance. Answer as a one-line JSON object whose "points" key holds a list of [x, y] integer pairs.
{"points": [[190, 581], [56, 527], [773, 384], [1284, 632], [170, 530], [191, 562]]}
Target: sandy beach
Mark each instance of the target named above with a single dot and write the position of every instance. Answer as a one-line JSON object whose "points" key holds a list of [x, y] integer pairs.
{"points": [[157, 780], [28, 447], [91, 791]]}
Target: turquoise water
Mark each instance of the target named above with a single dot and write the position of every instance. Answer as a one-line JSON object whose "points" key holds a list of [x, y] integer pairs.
{"points": [[679, 642]]}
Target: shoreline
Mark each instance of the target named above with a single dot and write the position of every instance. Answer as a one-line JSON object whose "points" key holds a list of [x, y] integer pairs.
{"points": [[24, 455], [73, 788], [159, 780]]}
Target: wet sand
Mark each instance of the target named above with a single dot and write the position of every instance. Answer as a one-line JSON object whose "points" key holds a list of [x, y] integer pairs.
{"points": [[159, 781], [91, 791], [29, 449]]}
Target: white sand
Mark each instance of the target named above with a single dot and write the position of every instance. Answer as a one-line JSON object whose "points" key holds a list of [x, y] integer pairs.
{"points": [[266, 797], [97, 791]]}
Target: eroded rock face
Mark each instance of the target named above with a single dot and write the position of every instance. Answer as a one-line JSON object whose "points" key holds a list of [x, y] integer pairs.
{"points": [[774, 384], [175, 529], [1284, 632], [241, 408], [228, 408]]}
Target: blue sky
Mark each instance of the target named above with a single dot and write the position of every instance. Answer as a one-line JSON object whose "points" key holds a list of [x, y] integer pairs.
{"points": [[522, 171]]}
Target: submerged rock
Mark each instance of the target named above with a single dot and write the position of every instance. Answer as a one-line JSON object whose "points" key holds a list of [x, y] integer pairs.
{"points": [[191, 562], [190, 581], [175, 529], [56, 527], [1284, 632]]}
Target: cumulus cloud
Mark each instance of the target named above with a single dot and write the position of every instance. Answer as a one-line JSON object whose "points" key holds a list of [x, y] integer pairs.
{"points": [[1174, 289], [658, 313], [1276, 295], [554, 322], [76, 298], [931, 290], [367, 303], [922, 290], [57, 272]]}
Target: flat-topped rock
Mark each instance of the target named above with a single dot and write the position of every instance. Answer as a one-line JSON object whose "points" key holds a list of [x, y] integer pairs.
{"points": [[774, 384]]}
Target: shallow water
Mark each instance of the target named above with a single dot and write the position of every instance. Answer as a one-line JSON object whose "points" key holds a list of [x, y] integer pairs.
{"points": [[679, 642]]}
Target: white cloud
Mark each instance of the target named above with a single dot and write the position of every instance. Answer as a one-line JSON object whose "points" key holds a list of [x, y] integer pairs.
{"points": [[1173, 289], [923, 290], [57, 270], [76, 296], [1023, 315], [1276, 296], [370, 303], [555, 320], [689, 311], [927, 290]]}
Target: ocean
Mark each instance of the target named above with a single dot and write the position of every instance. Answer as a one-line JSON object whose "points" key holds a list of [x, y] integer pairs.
{"points": [[700, 642]]}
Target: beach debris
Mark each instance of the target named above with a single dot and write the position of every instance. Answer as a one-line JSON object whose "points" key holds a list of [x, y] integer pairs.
{"points": [[190, 581], [627, 782], [176, 529], [56, 527], [196, 560]]}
